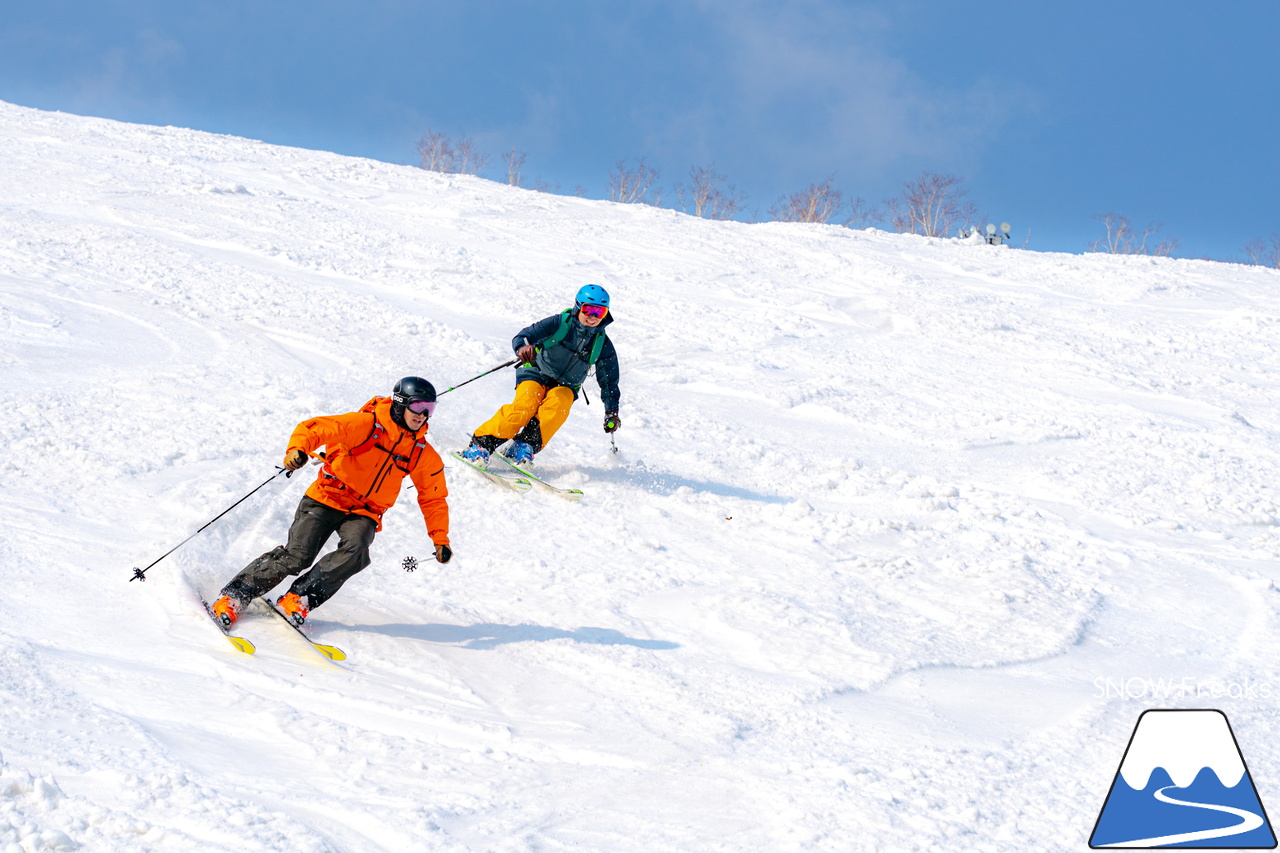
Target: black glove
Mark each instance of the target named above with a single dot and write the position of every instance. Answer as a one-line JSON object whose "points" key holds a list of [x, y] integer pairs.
{"points": [[443, 553], [611, 421], [295, 459], [527, 354]]}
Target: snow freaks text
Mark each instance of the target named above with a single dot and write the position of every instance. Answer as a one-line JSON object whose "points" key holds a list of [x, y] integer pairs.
{"points": [[1146, 687]]}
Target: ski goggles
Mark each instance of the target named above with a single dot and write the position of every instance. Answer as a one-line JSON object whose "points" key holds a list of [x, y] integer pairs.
{"points": [[421, 407], [596, 312]]}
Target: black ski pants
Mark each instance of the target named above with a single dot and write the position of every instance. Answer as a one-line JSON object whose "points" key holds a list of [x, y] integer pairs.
{"points": [[312, 526]]}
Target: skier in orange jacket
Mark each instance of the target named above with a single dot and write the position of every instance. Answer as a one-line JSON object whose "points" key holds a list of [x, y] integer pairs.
{"points": [[368, 455]]}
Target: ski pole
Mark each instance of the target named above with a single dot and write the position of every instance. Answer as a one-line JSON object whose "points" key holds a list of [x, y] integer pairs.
{"points": [[482, 375], [141, 574]]}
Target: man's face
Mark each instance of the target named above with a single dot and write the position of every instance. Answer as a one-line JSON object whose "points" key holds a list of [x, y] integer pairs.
{"points": [[595, 317], [414, 421]]}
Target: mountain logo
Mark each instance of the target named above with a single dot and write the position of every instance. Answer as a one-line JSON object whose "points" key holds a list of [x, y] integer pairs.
{"points": [[1183, 783]]}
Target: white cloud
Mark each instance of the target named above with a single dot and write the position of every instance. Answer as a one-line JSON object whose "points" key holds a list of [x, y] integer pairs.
{"points": [[816, 86], [138, 69]]}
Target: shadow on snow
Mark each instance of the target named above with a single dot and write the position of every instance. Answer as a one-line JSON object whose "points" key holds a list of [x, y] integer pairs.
{"points": [[666, 483], [490, 635]]}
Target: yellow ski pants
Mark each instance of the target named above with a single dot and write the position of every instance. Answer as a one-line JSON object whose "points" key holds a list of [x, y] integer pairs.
{"points": [[532, 398]]}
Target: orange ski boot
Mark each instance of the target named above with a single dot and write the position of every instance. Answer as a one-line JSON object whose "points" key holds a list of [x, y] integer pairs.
{"points": [[226, 610], [294, 606]]}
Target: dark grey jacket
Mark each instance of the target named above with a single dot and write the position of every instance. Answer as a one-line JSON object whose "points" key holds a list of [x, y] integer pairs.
{"points": [[566, 363]]}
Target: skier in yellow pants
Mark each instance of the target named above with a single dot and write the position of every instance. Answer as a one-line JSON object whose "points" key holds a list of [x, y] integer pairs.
{"points": [[556, 354]]}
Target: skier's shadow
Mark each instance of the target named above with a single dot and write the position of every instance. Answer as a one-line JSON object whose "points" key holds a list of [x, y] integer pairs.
{"points": [[667, 483], [490, 635]]}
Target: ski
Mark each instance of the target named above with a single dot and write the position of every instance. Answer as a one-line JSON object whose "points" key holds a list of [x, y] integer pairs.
{"points": [[331, 652], [239, 642], [567, 494], [515, 484]]}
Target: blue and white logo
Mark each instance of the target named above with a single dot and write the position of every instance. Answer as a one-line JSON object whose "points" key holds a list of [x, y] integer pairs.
{"points": [[1183, 783]]}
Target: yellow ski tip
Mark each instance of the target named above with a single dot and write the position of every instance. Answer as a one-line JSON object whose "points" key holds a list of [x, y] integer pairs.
{"points": [[242, 644], [331, 652]]}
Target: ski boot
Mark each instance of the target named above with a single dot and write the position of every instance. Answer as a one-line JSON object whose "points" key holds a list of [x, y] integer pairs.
{"points": [[518, 452], [294, 606], [226, 610], [475, 454]]}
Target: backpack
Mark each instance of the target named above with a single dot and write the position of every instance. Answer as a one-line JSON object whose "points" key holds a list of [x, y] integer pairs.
{"points": [[559, 335], [404, 463]]}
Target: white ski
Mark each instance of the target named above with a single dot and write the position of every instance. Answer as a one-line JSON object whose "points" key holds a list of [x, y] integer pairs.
{"points": [[567, 494], [515, 484]]}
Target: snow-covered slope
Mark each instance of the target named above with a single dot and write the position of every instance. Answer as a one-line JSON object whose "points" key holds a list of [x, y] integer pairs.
{"points": [[901, 534]]}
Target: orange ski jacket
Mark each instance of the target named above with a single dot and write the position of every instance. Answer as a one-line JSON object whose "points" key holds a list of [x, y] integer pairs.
{"points": [[367, 457]]}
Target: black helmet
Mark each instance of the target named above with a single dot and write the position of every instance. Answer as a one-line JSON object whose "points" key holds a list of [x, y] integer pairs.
{"points": [[413, 388], [414, 393]]}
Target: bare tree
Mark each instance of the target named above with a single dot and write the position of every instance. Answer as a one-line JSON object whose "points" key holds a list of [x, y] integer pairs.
{"points": [[469, 160], [933, 204], [1122, 239], [861, 214], [515, 162], [437, 153], [817, 203], [630, 186], [1264, 253], [707, 196]]}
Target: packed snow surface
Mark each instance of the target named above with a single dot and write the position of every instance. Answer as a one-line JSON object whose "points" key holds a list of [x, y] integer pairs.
{"points": [[902, 536]]}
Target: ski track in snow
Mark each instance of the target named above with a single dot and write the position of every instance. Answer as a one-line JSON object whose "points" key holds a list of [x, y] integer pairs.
{"points": [[887, 509]]}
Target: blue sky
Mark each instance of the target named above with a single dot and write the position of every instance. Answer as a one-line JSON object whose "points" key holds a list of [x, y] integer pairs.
{"points": [[1161, 110]]}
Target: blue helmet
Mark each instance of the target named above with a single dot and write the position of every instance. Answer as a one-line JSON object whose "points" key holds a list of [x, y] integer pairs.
{"points": [[592, 294]]}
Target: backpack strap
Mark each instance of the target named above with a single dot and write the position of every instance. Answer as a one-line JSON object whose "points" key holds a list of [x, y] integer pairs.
{"points": [[559, 335], [416, 452], [375, 435], [407, 463], [376, 432], [596, 348]]}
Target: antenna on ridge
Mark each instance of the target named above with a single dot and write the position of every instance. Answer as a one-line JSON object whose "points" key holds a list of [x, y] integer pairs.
{"points": [[989, 233]]}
